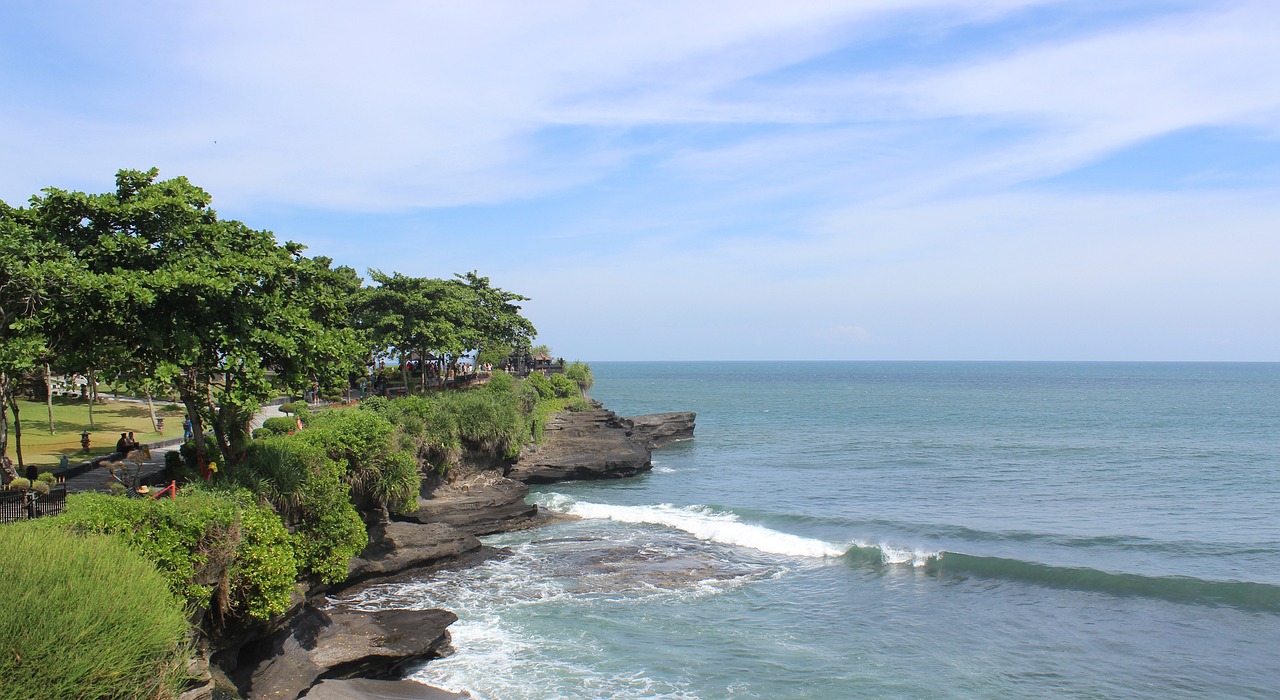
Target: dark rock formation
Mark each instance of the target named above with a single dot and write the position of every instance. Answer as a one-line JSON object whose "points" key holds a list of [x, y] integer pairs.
{"points": [[661, 429], [340, 643], [363, 689], [481, 504], [396, 546], [583, 445]]}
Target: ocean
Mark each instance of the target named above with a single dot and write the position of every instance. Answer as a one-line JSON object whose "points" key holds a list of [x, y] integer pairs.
{"points": [[898, 530]]}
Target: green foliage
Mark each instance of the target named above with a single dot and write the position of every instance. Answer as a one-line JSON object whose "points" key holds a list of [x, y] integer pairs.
{"points": [[580, 373], [564, 386], [498, 417], [223, 303], [213, 548], [261, 433], [578, 404], [295, 407], [543, 385], [425, 428], [361, 442], [188, 450], [305, 487], [85, 617], [377, 404], [280, 425]]}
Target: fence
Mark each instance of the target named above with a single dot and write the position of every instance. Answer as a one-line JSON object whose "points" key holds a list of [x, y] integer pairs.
{"points": [[21, 505]]}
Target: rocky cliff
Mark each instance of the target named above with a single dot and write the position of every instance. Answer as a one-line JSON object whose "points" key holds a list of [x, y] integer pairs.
{"points": [[598, 445]]}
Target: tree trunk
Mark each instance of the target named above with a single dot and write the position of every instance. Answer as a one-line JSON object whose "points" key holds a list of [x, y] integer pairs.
{"points": [[152, 408], [92, 393], [6, 467], [17, 430], [48, 395], [404, 369], [187, 394]]}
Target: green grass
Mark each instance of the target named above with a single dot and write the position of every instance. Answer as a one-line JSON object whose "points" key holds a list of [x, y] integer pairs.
{"points": [[71, 417], [84, 617]]}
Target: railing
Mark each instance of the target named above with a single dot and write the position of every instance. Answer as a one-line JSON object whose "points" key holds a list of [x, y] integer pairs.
{"points": [[23, 505]]}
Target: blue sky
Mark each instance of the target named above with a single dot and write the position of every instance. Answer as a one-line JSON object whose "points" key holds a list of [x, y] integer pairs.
{"points": [[886, 179]]}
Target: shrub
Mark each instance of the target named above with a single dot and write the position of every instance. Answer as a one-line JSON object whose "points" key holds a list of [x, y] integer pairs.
{"points": [[564, 386], [188, 451], [377, 404], [279, 425], [580, 373], [542, 385], [305, 487], [214, 548], [577, 405], [361, 443], [85, 617], [260, 433], [426, 429], [295, 408]]}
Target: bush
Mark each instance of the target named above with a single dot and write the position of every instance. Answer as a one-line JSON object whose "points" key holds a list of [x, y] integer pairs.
{"points": [[305, 487], [218, 549], [85, 617], [295, 408], [188, 451], [580, 373], [361, 443], [564, 386], [541, 384], [261, 434], [279, 425]]}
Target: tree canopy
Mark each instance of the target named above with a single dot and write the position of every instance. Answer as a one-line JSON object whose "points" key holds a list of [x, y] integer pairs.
{"points": [[147, 283]]}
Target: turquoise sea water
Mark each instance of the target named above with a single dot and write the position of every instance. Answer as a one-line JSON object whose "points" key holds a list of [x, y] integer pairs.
{"points": [[899, 530]]}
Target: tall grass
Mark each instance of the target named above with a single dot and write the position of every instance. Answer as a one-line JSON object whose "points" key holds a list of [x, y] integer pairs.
{"points": [[84, 617]]}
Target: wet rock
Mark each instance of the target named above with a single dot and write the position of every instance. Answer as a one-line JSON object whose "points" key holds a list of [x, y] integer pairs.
{"points": [[396, 546], [341, 643], [661, 429], [480, 504], [364, 689]]}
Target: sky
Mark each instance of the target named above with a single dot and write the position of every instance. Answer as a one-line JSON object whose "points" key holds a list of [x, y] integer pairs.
{"points": [[738, 180]]}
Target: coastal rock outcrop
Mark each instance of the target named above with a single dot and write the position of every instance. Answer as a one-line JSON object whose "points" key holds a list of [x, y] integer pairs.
{"points": [[396, 546], [481, 504], [365, 689], [662, 429], [583, 445], [341, 643]]}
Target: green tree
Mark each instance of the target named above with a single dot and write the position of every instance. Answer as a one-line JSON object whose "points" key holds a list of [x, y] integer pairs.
{"points": [[35, 274], [172, 291], [495, 319]]}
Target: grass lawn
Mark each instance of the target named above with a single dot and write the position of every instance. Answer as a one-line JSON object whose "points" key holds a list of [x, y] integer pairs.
{"points": [[71, 417]]}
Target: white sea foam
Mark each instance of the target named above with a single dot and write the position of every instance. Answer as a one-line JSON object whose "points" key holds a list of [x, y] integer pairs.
{"points": [[699, 521], [900, 555]]}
